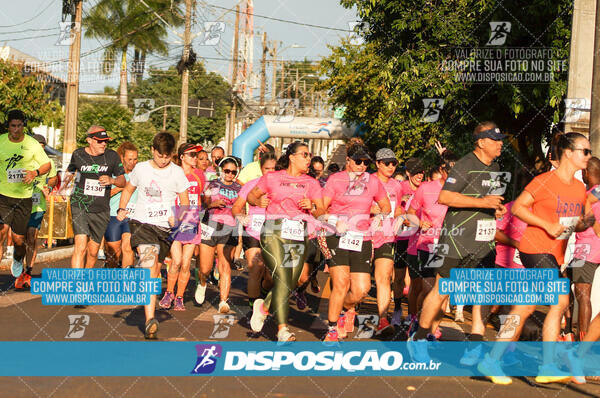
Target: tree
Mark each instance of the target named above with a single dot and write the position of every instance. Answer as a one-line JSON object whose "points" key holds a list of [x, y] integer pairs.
{"points": [[118, 123], [27, 93], [164, 86], [384, 82], [129, 23]]}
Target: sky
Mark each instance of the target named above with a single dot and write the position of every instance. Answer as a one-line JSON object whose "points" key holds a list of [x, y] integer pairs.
{"points": [[33, 27]]}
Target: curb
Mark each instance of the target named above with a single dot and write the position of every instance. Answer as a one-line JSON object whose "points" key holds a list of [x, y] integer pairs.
{"points": [[50, 255]]}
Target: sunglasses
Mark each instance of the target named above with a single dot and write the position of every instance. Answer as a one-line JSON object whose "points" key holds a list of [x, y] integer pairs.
{"points": [[304, 154], [360, 162], [229, 171], [390, 163], [100, 141], [586, 151], [192, 154]]}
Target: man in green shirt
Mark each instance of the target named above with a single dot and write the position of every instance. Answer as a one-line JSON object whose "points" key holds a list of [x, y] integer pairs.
{"points": [[22, 159]]}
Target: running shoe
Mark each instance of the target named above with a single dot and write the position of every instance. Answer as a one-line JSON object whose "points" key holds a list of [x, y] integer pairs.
{"points": [[22, 280], [413, 325], [405, 291], [224, 307], [300, 300], [284, 336], [200, 293], [151, 329], [397, 318], [350, 316], [27, 280], [417, 350], [576, 367], [471, 357], [167, 300], [258, 316], [438, 334], [178, 306], [556, 375], [16, 268], [491, 369], [101, 255], [384, 328], [331, 338], [458, 315], [341, 326], [509, 359]]}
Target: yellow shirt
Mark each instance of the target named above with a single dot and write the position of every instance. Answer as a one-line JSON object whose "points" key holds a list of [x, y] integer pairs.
{"points": [[15, 159], [250, 172]]}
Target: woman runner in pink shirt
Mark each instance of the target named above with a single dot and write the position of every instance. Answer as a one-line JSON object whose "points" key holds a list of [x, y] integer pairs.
{"points": [[294, 200]]}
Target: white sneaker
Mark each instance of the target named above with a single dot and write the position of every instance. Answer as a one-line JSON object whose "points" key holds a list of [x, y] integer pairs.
{"points": [[471, 357], [258, 318], [16, 268], [459, 316], [397, 318], [284, 336], [224, 307], [101, 255], [200, 293]]}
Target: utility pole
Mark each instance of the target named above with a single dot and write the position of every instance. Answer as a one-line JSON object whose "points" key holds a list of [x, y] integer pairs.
{"points": [[282, 78], [274, 84], [595, 112], [165, 117], [263, 73], [297, 83], [70, 140], [236, 42], [185, 78]]}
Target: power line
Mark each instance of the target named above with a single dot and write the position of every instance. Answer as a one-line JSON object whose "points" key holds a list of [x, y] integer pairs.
{"points": [[31, 38], [31, 19], [28, 30], [282, 20]]}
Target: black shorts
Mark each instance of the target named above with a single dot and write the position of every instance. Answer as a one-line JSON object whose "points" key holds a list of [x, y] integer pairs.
{"points": [[387, 250], [400, 260], [443, 265], [223, 235], [15, 212], [148, 234], [357, 261], [249, 242], [581, 271], [421, 267], [90, 224], [313, 253], [539, 260]]}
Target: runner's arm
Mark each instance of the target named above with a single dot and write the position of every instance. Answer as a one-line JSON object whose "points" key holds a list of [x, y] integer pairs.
{"points": [[254, 196], [125, 196], [521, 208], [239, 207], [501, 237], [455, 199], [30, 175]]}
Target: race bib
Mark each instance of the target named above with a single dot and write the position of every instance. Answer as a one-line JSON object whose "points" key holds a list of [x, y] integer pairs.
{"points": [[15, 175], [486, 230], [206, 231], [157, 213], [257, 222], [569, 223], [193, 199], [352, 241], [93, 188], [517, 257], [292, 229], [36, 198], [130, 208]]}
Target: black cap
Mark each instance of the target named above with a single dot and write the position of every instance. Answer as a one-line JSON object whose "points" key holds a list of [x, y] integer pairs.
{"points": [[493, 133], [414, 166]]}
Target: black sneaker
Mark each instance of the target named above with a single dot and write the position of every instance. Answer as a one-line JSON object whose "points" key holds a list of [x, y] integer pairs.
{"points": [[151, 329]]}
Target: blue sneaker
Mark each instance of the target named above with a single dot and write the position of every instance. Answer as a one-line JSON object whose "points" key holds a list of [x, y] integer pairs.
{"points": [[472, 357], [16, 268], [418, 350]]}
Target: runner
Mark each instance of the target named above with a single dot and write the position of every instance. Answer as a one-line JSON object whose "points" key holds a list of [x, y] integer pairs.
{"points": [[431, 218], [586, 258], [253, 170], [316, 169], [42, 187], [348, 195], [552, 205], [253, 222], [118, 234], [219, 231], [213, 172], [159, 182], [22, 159], [293, 197], [414, 176], [96, 168], [185, 235], [467, 235], [202, 161]]}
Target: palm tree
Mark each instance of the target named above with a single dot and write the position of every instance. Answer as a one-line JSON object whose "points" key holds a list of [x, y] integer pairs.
{"points": [[130, 23]]}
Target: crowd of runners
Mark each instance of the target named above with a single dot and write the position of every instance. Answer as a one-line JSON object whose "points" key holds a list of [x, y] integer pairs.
{"points": [[399, 228]]}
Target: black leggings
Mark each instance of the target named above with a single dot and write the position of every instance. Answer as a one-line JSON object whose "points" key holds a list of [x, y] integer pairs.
{"points": [[539, 260], [284, 258]]}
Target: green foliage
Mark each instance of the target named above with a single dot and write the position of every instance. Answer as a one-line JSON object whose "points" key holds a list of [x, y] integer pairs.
{"points": [[164, 86], [118, 123], [383, 82], [27, 94]]}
